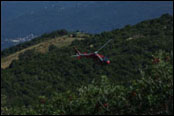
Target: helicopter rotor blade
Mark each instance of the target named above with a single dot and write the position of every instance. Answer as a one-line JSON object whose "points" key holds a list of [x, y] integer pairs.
{"points": [[103, 46], [82, 55], [75, 55]]}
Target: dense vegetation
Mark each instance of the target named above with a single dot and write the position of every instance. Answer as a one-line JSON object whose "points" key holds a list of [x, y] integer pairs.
{"points": [[152, 93], [139, 79]]}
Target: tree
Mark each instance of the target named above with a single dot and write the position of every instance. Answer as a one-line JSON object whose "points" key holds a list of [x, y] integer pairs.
{"points": [[51, 47]]}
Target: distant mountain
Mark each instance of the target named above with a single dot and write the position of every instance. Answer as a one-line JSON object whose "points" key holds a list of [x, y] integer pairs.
{"points": [[20, 19]]}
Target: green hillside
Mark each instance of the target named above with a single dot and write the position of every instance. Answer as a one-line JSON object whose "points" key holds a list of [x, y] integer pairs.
{"points": [[41, 45], [139, 79]]}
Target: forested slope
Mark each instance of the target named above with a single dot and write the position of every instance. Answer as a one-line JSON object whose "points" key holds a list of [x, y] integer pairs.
{"points": [[55, 74]]}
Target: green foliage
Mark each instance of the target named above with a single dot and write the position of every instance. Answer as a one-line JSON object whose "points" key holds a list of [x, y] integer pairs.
{"points": [[51, 47], [139, 79], [151, 94]]}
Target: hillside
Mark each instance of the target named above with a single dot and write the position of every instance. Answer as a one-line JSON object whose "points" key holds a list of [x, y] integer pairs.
{"points": [[42, 47], [139, 79]]}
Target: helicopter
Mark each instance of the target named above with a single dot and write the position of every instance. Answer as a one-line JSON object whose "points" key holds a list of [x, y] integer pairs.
{"points": [[95, 55]]}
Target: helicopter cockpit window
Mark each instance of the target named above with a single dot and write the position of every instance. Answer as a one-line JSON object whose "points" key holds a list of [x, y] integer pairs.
{"points": [[105, 59]]}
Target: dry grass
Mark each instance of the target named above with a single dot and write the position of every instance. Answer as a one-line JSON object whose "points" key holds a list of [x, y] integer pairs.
{"points": [[41, 47]]}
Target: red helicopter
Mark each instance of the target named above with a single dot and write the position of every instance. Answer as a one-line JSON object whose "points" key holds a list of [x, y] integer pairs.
{"points": [[95, 55]]}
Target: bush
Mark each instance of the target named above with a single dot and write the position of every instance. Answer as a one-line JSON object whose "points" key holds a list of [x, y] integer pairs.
{"points": [[151, 94]]}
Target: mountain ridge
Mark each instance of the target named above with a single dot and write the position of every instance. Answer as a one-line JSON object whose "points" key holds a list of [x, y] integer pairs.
{"points": [[42, 47], [77, 16]]}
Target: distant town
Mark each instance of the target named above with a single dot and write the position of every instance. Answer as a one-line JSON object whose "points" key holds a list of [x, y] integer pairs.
{"points": [[21, 39]]}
